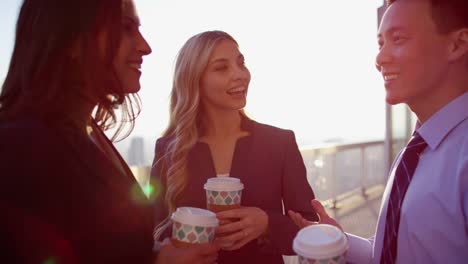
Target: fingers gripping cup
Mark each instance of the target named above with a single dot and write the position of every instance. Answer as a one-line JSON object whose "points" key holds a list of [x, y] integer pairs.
{"points": [[223, 193], [193, 225], [321, 244]]}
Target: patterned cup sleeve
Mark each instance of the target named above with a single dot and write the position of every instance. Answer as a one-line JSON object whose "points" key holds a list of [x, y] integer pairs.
{"points": [[192, 234], [224, 197]]}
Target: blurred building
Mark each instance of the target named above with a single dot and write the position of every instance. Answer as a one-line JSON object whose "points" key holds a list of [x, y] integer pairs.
{"points": [[136, 153]]}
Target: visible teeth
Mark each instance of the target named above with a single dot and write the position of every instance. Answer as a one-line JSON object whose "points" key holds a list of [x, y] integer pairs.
{"points": [[236, 90], [390, 77], [135, 66]]}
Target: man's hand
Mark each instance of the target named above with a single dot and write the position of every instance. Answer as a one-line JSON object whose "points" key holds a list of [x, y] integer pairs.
{"points": [[324, 218]]}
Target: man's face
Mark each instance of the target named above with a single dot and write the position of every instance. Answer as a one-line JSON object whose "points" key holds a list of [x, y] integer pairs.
{"points": [[413, 55]]}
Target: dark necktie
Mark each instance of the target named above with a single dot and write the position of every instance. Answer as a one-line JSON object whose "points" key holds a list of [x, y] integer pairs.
{"points": [[403, 174]]}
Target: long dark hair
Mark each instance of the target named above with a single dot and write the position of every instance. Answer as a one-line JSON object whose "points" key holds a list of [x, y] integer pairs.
{"points": [[61, 49]]}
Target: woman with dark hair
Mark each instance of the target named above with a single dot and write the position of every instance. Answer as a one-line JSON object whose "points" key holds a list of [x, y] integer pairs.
{"points": [[67, 195]]}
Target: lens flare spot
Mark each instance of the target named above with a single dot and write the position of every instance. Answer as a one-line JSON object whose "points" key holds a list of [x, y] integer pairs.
{"points": [[148, 190], [146, 193]]}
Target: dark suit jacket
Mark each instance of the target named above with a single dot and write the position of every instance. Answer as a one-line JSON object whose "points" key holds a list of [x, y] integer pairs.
{"points": [[270, 165], [61, 199]]}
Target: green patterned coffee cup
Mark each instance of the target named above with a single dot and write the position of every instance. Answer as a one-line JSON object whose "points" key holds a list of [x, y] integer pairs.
{"points": [[321, 243], [223, 191], [193, 225]]}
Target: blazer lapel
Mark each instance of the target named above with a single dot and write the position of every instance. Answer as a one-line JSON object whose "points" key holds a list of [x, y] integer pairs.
{"points": [[241, 160]]}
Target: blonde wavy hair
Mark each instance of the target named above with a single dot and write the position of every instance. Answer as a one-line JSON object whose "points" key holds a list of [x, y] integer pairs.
{"points": [[185, 111]]}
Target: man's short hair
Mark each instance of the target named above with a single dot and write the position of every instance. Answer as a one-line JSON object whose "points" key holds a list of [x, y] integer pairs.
{"points": [[448, 15]]}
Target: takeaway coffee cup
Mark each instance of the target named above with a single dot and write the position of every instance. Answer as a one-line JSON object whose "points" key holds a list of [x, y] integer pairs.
{"points": [[193, 225], [223, 193], [321, 243]]}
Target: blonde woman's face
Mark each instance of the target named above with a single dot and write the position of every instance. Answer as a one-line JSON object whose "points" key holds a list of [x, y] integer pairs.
{"points": [[131, 50], [225, 81]]}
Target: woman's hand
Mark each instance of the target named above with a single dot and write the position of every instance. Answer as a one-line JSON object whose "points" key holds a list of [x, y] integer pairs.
{"points": [[324, 218], [252, 224], [206, 253]]}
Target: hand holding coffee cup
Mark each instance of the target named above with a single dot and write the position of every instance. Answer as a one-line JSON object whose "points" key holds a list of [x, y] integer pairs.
{"points": [[252, 224], [193, 225], [321, 243], [222, 194]]}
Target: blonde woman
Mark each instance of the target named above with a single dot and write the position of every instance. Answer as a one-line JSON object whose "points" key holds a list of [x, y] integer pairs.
{"points": [[209, 135]]}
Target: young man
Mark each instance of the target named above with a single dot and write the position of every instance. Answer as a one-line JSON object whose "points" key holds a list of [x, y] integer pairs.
{"points": [[423, 59]]}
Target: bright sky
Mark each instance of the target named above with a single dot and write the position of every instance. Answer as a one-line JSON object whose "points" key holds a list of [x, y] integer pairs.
{"points": [[312, 62]]}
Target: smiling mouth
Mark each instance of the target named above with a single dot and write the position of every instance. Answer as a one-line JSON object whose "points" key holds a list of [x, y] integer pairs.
{"points": [[390, 77], [237, 90], [136, 66]]}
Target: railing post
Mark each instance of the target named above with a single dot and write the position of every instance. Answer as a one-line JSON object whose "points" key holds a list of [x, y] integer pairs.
{"points": [[334, 180], [363, 163]]}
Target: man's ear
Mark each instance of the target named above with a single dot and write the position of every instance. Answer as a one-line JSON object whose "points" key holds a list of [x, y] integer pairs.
{"points": [[458, 44]]}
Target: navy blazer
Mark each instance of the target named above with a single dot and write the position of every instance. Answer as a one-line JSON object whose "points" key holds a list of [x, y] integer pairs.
{"points": [[64, 200], [270, 166]]}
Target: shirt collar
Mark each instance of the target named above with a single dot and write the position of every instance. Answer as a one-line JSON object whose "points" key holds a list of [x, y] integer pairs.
{"points": [[439, 125]]}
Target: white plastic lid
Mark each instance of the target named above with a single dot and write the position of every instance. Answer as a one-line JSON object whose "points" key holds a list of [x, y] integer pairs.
{"points": [[195, 216], [227, 184], [320, 241]]}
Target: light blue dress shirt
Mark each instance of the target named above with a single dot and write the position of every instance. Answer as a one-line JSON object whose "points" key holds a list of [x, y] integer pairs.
{"points": [[434, 213]]}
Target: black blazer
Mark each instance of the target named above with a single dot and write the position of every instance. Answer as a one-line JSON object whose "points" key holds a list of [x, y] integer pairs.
{"points": [[62, 199], [270, 165]]}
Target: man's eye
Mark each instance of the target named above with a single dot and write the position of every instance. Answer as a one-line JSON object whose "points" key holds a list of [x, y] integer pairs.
{"points": [[398, 39]]}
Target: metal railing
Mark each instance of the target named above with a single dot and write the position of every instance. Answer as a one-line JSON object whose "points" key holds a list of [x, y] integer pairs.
{"points": [[334, 171], [337, 171]]}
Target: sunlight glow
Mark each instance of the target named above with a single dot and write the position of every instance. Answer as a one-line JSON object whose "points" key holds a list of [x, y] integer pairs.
{"points": [[312, 63]]}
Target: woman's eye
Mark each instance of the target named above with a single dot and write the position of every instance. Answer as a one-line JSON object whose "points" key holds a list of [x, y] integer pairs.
{"points": [[129, 28], [220, 68]]}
